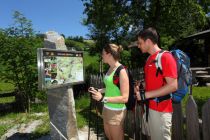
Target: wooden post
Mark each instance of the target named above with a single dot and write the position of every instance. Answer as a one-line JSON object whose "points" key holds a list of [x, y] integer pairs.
{"points": [[206, 120], [129, 124], [192, 120], [177, 122]]}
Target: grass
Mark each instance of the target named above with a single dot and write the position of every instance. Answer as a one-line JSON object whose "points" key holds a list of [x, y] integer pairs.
{"points": [[82, 108], [7, 99], [43, 129]]}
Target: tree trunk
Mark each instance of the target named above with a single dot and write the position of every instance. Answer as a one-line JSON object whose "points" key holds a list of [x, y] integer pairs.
{"points": [[21, 102]]}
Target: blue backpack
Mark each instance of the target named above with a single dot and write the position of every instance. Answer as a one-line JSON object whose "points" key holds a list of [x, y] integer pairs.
{"points": [[183, 71]]}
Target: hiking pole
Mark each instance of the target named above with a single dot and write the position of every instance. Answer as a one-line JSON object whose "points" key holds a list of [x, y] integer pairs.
{"points": [[140, 104], [134, 137], [89, 118], [90, 106], [96, 119]]}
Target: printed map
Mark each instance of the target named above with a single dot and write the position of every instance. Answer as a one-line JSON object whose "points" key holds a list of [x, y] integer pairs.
{"points": [[63, 70]]}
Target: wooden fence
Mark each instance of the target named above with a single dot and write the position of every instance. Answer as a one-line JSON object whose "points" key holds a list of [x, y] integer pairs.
{"points": [[189, 127], [5, 107]]}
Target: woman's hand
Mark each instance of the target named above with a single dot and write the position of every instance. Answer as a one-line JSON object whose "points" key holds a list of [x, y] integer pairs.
{"points": [[95, 94]]}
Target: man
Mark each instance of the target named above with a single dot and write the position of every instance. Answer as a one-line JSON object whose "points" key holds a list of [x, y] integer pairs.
{"points": [[157, 86]]}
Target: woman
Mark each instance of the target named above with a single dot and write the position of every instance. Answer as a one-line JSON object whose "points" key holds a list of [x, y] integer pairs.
{"points": [[114, 100]]}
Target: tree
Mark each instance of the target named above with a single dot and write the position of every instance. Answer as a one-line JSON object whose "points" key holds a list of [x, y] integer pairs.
{"points": [[106, 21], [120, 21], [18, 56], [174, 18], [21, 26]]}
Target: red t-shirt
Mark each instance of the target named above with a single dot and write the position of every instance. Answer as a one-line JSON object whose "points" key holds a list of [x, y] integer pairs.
{"points": [[153, 82]]}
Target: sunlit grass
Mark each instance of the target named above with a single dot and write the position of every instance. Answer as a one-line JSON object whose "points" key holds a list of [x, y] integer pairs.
{"points": [[6, 87], [7, 99]]}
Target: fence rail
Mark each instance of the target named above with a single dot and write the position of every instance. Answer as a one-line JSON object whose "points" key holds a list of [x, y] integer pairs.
{"points": [[190, 129], [9, 94]]}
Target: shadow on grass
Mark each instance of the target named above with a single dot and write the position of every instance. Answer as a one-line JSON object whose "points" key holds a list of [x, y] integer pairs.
{"points": [[29, 136], [6, 108], [94, 120]]}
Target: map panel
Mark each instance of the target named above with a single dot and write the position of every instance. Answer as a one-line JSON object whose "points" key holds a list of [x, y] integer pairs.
{"points": [[61, 68]]}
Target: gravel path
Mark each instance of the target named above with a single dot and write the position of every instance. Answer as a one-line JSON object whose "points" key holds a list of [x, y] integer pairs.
{"points": [[19, 132]]}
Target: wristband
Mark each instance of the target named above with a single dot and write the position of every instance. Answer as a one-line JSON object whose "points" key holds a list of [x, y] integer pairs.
{"points": [[105, 100], [102, 98]]}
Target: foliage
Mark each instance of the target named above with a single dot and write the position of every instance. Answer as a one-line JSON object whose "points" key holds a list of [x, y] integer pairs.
{"points": [[205, 4], [76, 38], [22, 27], [106, 21], [120, 21], [166, 41], [18, 55], [180, 18], [125, 57]]}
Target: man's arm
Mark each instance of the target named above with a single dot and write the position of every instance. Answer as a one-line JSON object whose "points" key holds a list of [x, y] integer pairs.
{"points": [[170, 86]]}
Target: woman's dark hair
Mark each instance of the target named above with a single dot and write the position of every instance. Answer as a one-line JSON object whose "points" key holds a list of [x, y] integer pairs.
{"points": [[114, 50], [149, 33]]}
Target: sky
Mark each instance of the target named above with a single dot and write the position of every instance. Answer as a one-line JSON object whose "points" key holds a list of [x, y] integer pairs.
{"points": [[62, 16]]}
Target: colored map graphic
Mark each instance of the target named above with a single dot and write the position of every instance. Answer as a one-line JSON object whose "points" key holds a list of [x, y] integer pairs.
{"points": [[63, 70]]}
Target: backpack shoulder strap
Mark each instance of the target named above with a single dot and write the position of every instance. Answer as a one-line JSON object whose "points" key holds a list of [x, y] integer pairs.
{"points": [[158, 63], [117, 71], [158, 59], [117, 75]]}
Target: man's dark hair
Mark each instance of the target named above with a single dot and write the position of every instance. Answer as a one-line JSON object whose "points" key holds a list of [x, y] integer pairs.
{"points": [[149, 33]]}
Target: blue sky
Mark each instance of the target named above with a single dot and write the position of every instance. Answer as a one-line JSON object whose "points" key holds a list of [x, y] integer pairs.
{"points": [[62, 16]]}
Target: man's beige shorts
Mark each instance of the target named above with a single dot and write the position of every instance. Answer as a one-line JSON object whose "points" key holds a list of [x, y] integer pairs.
{"points": [[113, 117], [158, 126]]}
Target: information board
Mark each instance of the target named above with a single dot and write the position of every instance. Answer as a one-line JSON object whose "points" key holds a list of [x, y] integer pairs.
{"points": [[58, 68]]}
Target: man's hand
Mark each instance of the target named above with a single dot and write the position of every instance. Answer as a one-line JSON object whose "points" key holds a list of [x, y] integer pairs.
{"points": [[139, 87]]}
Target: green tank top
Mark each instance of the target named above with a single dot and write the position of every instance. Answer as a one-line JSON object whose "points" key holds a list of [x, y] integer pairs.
{"points": [[112, 91]]}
